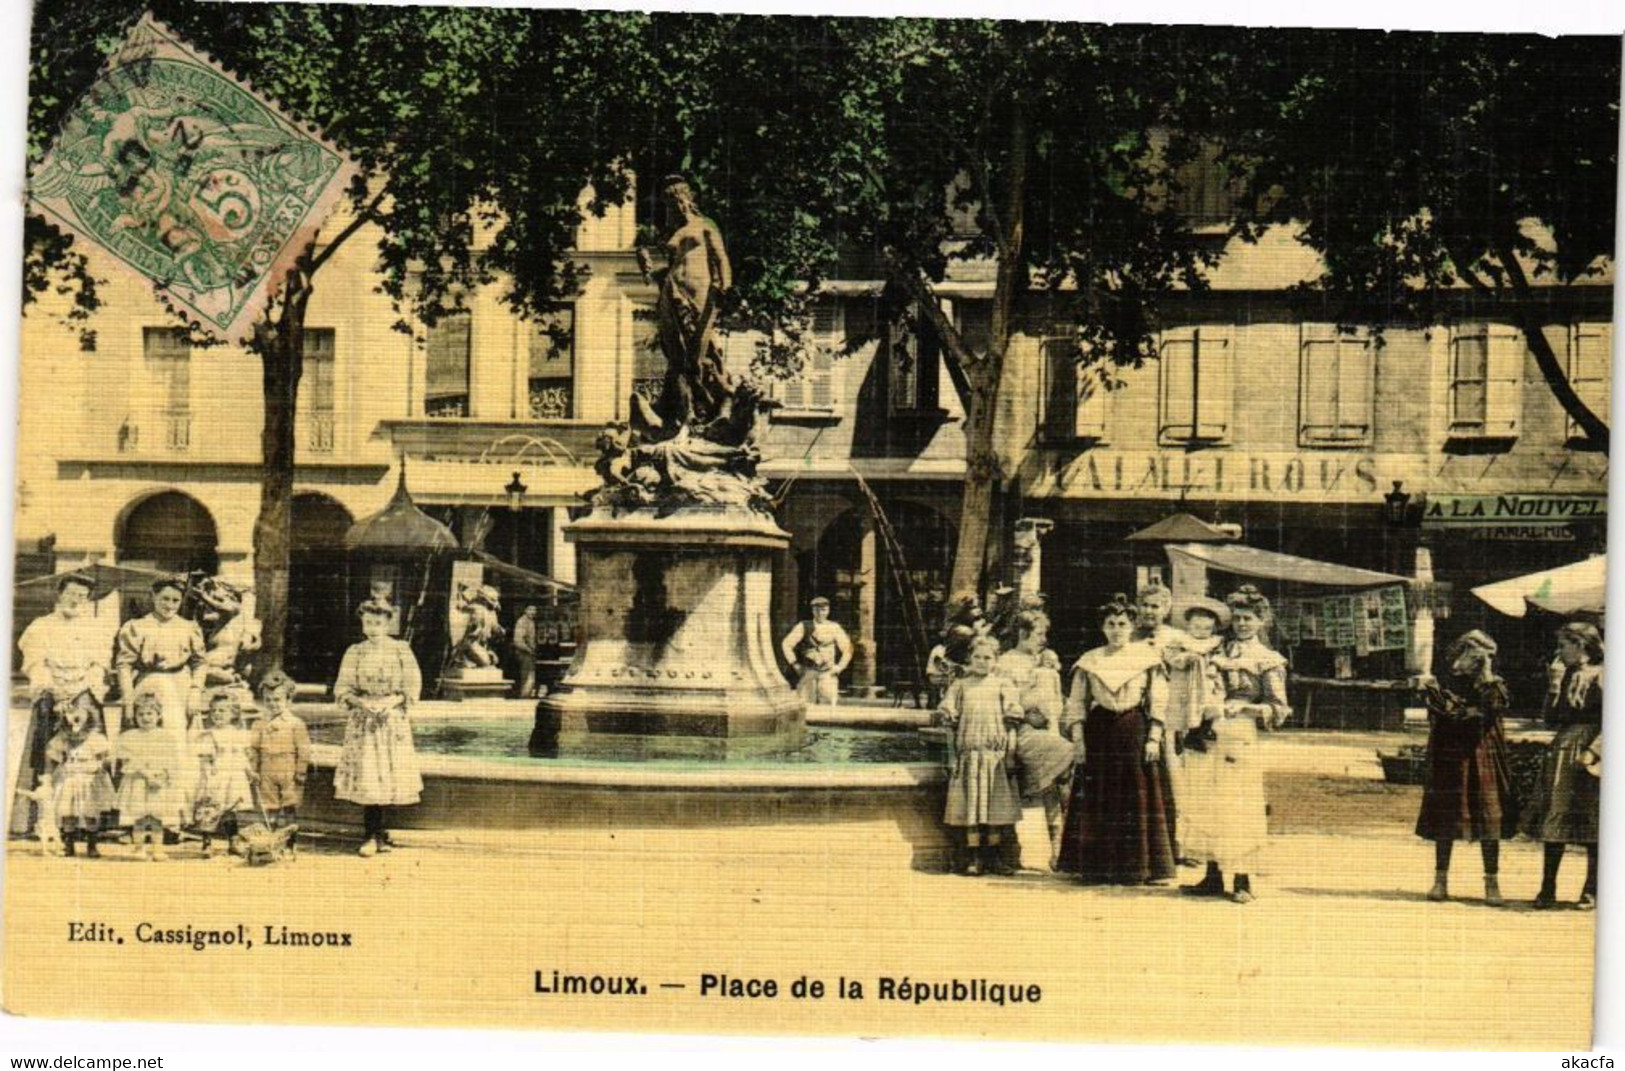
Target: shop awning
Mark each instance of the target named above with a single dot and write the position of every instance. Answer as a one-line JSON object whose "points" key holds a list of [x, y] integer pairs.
{"points": [[520, 575], [1570, 589], [1181, 528], [1287, 568], [400, 528]]}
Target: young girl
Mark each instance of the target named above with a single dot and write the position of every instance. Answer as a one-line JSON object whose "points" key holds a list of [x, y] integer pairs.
{"points": [[983, 798], [76, 764], [378, 682], [279, 753], [1468, 795], [149, 774], [223, 772], [1118, 827], [1564, 810]]}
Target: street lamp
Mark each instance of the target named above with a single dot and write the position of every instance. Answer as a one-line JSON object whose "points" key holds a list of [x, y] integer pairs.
{"points": [[516, 493], [1395, 504]]}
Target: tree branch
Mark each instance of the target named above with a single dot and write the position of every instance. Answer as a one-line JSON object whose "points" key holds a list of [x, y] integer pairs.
{"points": [[362, 218], [1557, 379]]}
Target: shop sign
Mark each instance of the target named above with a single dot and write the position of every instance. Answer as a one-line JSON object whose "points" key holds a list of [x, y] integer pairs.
{"points": [[1219, 474], [1523, 533], [1450, 511]]}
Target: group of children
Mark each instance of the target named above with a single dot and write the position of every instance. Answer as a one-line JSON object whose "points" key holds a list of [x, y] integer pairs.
{"points": [[157, 783]]}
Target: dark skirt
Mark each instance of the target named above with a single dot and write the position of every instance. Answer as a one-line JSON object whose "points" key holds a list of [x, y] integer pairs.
{"points": [[1117, 828], [1469, 792], [1564, 808]]}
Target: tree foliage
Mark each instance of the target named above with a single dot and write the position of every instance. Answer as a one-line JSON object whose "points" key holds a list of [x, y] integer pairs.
{"points": [[1437, 175]]}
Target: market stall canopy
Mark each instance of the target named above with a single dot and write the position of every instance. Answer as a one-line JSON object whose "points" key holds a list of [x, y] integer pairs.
{"points": [[400, 527], [1569, 589], [105, 577], [1269, 565], [1182, 528], [496, 565]]}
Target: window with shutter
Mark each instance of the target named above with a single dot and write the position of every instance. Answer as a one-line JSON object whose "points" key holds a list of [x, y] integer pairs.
{"points": [[1075, 397], [1337, 373], [1197, 384], [320, 386], [550, 383], [814, 386], [1486, 382], [912, 357], [1590, 370], [446, 382], [168, 357]]}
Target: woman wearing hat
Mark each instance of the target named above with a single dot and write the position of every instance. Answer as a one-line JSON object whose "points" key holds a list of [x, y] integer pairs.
{"points": [[1223, 821], [377, 685], [163, 653], [1564, 810], [1468, 795]]}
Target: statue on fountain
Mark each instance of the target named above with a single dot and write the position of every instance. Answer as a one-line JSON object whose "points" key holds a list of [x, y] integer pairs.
{"points": [[697, 444]]}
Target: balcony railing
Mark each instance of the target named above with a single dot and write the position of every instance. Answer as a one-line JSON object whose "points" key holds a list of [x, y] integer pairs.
{"points": [[319, 433], [177, 432]]}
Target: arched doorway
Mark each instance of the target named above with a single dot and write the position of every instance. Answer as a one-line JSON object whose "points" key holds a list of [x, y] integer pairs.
{"points": [[170, 531], [321, 621], [833, 568]]}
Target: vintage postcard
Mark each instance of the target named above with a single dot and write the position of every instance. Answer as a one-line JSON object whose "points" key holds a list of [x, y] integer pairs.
{"points": [[810, 525]]}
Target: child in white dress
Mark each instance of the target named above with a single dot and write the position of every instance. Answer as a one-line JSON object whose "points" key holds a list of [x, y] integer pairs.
{"points": [[223, 770], [149, 760], [76, 766], [984, 799]]}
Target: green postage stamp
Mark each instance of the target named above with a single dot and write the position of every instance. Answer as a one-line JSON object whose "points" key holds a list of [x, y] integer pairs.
{"points": [[189, 179]]}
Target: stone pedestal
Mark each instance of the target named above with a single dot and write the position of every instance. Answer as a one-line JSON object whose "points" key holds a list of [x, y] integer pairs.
{"points": [[676, 657], [473, 683]]}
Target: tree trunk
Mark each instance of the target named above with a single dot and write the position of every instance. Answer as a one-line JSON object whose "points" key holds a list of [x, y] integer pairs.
{"points": [[981, 484], [282, 360], [1530, 321], [983, 473]]}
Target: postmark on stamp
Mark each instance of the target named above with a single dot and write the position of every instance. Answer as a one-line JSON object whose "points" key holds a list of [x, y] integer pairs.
{"points": [[187, 178]]}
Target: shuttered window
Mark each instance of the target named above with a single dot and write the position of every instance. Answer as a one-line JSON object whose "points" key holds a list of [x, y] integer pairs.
{"points": [[1336, 377], [1590, 369], [450, 349], [1075, 396], [814, 386], [1486, 382], [1197, 385]]}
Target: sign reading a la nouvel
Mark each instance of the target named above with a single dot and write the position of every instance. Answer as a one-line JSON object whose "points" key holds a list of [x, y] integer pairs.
{"points": [[1536, 509]]}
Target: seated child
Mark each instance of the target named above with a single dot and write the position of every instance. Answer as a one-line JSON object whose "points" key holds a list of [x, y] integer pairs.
{"points": [[222, 748], [76, 763], [149, 775], [1198, 683], [279, 754]]}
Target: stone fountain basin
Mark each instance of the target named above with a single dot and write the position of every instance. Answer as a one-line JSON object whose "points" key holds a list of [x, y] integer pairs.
{"points": [[892, 809]]}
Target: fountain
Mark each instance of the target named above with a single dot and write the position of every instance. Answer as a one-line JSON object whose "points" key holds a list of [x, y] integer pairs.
{"points": [[676, 559], [673, 718]]}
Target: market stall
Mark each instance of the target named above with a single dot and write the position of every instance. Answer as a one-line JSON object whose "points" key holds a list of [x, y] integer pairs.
{"points": [[1347, 632]]}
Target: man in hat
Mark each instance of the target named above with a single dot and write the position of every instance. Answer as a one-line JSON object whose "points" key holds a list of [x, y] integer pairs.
{"points": [[64, 654], [820, 651], [524, 650]]}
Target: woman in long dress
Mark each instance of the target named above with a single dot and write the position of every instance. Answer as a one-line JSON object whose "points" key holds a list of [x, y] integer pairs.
{"points": [[1565, 807], [1468, 795], [1223, 819], [1117, 827], [163, 654], [378, 683]]}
